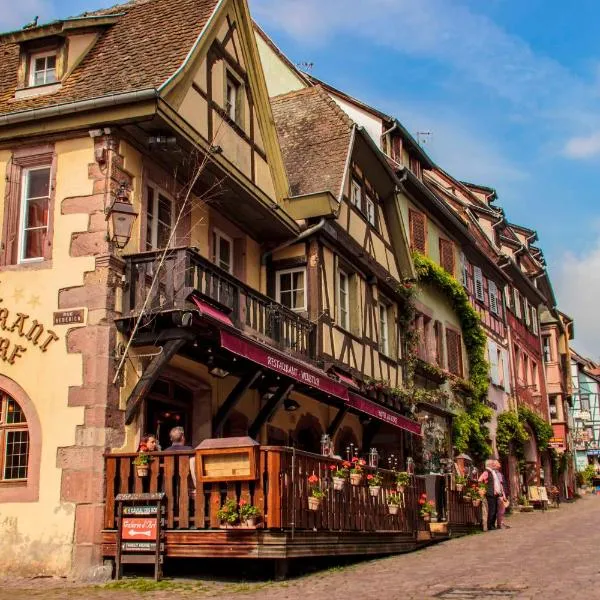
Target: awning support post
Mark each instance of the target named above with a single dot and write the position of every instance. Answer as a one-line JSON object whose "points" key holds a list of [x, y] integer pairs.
{"points": [[268, 410], [337, 421]]}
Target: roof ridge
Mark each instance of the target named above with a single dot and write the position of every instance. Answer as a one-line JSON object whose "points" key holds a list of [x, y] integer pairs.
{"points": [[336, 107]]}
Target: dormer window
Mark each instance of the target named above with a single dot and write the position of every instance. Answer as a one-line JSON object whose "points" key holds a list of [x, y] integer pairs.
{"points": [[42, 68], [232, 98]]}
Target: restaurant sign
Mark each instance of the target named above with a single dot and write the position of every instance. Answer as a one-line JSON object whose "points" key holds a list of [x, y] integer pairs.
{"points": [[383, 414], [556, 442]]}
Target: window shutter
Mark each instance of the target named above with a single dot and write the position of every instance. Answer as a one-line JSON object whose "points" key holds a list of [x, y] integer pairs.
{"points": [[534, 320], [493, 291], [453, 352], [447, 255], [464, 270], [12, 204], [478, 281], [493, 358], [506, 371], [527, 313], [517, 304], [507, 301], [417, 230]]}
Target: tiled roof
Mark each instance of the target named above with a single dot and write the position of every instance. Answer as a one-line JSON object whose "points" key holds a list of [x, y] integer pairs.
{"points": [[314, 134], [140, 51]]}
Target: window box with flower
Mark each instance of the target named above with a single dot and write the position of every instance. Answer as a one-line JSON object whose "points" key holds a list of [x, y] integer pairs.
{"points": [[356, 471], [249, 514], [339, 474], [394, 501], [228, 514], [317, 493], [427, 508], [374, 480], [402, 480], [142, 463], [459, 482]]}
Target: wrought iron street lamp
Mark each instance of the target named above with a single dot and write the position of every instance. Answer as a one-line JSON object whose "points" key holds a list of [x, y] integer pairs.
{"points": [[121, 216]]}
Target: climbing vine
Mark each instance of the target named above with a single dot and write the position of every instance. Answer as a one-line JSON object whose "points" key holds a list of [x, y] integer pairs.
{"points": [[511, 434], [470, 426], [542, 430]]}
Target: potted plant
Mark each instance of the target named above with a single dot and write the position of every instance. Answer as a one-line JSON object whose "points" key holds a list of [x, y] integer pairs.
{"points": [[374, 480], [142, 463], [524, 505], [316, 493], [402, 480], [356, 470], [393, 502], [339, 475], [248, 513], [477, 492], [427, 508], [459, 482], [228, 513]]}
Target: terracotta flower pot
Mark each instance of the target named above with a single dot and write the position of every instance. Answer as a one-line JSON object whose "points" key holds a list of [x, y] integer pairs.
{"points": [[374, 490], [142, 470], [339, 483], [400, 488], [393, 508], [459, 487], [251, 522], [427, 518], [314, 503], [467, 498], [355, 478], [476, 503]]}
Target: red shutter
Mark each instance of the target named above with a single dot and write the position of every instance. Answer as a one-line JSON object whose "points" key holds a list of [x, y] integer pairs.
{"points": [[417, 230], [447, 255], [453, 351], [10, 233]]}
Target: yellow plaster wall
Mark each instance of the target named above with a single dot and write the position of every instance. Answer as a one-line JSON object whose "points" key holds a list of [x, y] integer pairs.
{"points": [[38, 535], [290, 252], [78, 45], [132, 163]]}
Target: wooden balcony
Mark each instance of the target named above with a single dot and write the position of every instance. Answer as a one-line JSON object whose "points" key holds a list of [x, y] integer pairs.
{"points": [[184, 272], [348, 522]]}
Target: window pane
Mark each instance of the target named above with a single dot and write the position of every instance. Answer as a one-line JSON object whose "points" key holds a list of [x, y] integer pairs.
{"points": [[164, 209], [38, 183], [224, 254], [33, 243], [163, 234], [14, 414], [37, 213], [51, 62], [50, 76], [286, 299], [298, 280], [17, 454], [40, 64], [285, 282]]}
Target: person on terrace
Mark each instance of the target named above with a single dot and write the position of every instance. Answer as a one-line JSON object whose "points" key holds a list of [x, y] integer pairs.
{"points": [[177, 437], [148, 443]]}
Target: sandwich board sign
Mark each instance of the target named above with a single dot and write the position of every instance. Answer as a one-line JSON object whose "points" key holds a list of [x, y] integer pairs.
{"points": [[140, 535]]}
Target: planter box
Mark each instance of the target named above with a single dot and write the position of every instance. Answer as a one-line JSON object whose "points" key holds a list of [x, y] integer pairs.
{"points": [[438, 527], [526, 509]]}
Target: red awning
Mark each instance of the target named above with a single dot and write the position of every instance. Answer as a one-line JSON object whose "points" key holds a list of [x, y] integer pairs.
{"points": [[206, 310], [280, 363], [383, 414], [345, 379]]}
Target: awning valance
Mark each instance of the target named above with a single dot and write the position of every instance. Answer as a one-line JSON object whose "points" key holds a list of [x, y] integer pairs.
{"points": [[383, 413]]}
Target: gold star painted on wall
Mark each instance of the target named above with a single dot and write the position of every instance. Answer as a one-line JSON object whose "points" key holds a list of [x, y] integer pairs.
{"points": [[34, 301], [18, 294]]}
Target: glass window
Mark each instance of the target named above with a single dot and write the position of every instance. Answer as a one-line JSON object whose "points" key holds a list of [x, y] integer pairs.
{"points": [[223, 251], [371, 217], [343, 300], [14, 440], [291, 288], [356, 194], [384, 345], [232, 98], [585, 402], [42, 69], [159, 219], [35, 212], [547, 348]]}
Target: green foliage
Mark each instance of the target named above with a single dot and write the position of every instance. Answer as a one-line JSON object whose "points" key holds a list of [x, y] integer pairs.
{"points": [[471, 433], [228, 513], [542, 430], [510, 433], [586, 475]]}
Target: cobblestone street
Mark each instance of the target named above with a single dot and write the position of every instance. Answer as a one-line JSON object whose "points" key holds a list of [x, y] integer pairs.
{"points": [[541, 555]]}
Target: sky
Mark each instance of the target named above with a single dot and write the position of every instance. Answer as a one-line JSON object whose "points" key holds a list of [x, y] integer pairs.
{"points": [[509, 91]]}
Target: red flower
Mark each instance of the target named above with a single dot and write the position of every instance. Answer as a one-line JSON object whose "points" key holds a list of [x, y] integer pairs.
{"points": [[362, 462], [422, 501], [346, 464], [313, 479], [369, 476], [332, 467], [143, 448], [243, 503], [355, 459]]}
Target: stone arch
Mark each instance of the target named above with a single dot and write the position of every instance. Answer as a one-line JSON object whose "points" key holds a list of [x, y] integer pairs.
{"points": [[236, 425], [343, 439], [25, 492], [308, 432]]}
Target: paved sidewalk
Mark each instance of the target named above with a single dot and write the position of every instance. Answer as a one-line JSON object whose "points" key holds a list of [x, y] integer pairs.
{"points": [[543, 555]]}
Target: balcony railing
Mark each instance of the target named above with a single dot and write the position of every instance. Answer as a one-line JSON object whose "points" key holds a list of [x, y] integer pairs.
{"points": [[280, 492], [185, 271]]}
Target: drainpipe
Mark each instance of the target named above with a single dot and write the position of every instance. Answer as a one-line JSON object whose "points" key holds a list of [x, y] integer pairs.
{"points": [[299, 238]]}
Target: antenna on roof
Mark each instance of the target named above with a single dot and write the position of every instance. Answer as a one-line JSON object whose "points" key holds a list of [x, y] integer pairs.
{"points": [[305, 66], [423, 137]]}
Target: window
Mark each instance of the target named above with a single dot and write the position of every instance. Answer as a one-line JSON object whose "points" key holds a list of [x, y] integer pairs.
{"points": [[42, 68], [494, 300], [384, 331], [501, 367], [464, 270], [34, 213], [291, 288], [370, 207], [517, 304], [527, 312], [478, 284], [232, 97], [222, 250], [454, 352], [534, 375], [447, 255], [343, 300], [159, 222], [417, 231], [14, 440], [356, 194], [534, 320], [552, 405], [438, 332], [547, 349], [584, 402]]}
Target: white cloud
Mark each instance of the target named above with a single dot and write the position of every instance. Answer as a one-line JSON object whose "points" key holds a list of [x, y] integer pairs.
{"points": [[13, 15], [577, 284], [583, 146]]}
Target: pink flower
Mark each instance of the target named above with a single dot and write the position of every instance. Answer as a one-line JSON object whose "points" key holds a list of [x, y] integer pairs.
{"points": [[355, 459], [313, 479], [369, 476], [243, 503], [332, 467], [362, 462]]}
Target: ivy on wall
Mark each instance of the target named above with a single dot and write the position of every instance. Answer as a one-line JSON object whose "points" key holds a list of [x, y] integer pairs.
{"points": [[542, 430], [471, 433]]}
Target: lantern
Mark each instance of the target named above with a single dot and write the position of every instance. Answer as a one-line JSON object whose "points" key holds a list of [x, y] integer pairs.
{"points": [[325, 445], [373, 458], [120, 216]]}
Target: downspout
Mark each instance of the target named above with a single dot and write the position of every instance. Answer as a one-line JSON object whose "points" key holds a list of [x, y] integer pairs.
{"points": [[299, 238]]}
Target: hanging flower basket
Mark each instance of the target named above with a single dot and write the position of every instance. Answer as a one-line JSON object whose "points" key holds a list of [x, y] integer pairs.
{"points": [[476, 503], [314, 503], [393, 508], [374, 490], [467, 498], [251, 522], [142, 470], [355, 478], [339, 483], [400, 488], [459, 487], [427, 518]]}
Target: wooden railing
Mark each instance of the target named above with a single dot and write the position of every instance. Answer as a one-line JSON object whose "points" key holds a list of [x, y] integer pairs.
{"points": [[185, 271], [281, 493]]}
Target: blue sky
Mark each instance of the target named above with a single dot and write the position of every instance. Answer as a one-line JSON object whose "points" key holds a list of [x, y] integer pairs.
{"points": [[509, 90]]}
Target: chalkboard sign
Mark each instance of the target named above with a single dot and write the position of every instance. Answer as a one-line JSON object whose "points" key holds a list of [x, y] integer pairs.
{"points": [[140, 534]]}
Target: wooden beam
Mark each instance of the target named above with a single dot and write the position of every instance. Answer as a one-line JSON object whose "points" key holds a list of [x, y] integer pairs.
{"points": [[158, 338], [268, 410], [238, 391], [337, 421], [150, 375], [369, 432]]}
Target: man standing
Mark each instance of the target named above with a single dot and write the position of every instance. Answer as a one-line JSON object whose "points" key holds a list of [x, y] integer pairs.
{"points": [[493, 491], [177, 437]]}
